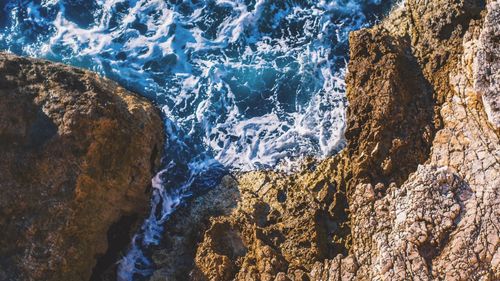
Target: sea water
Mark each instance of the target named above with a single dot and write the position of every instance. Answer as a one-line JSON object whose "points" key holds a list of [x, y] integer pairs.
{"points": [[242, 84]]}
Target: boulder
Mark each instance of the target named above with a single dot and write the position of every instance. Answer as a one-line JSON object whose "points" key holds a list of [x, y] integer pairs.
{"points": [[77, 154]]}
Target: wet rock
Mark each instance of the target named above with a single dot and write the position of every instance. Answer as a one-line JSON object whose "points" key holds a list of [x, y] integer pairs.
{"points": [[274, 225], [414, 195], [186, 227], [77, 155]]}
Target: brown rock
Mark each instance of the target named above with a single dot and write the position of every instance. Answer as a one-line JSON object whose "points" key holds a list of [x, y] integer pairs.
{"points": [[441, 223], [415, 194], [275, 225], [390, 117], [77, 155], [186, 228]]}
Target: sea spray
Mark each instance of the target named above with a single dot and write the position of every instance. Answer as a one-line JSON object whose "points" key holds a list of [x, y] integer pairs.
{"points": [[242, 84]]}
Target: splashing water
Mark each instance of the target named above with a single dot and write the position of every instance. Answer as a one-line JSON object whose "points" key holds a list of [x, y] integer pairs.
{"points": [[243, 84]]}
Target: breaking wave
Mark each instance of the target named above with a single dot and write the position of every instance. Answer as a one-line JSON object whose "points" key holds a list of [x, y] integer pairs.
{"points": [[242, 84]]}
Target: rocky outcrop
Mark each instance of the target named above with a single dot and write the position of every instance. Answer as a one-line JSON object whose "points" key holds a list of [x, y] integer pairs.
{"points": [[77, 155], [487, 64], [415, 194], [256, 225]]}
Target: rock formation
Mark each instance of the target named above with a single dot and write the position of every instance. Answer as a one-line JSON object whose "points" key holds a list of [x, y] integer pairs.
{"points": [[415, 195], [77, 156]]}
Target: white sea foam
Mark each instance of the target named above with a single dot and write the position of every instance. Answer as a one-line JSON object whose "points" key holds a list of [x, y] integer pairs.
{"points": [[166, 55], [242, 86]]}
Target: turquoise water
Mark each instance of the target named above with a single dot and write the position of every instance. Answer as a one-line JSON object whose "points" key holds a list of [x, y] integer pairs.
{"points": [[242, 84]]}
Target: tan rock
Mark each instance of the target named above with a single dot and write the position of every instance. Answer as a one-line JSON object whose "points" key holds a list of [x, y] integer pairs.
{"points": [[415, 194]]}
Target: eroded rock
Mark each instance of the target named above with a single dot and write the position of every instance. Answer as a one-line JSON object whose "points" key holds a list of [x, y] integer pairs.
{"points": [[273, 226], [415, 194], [487, 64], [77, 155]]}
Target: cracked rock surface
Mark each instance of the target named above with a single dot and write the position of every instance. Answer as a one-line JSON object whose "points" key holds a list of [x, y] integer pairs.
{"points": [[415, 195]]}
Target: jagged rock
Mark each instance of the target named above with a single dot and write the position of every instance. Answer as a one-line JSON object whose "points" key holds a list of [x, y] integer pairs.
{"points": [[442, 223], [185, 229], [77, 155], [487, 64], [272, 226], [390, 118], [414, 195]]}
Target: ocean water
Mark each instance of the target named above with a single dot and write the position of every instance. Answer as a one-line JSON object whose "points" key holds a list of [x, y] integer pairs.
{"points": [[242, 84]]}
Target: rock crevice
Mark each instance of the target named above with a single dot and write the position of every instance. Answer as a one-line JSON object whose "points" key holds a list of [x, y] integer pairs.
{"points": [[414, 195]]}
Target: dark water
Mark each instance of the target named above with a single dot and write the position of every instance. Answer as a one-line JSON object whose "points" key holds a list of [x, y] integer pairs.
{"points": [[243, 84]]}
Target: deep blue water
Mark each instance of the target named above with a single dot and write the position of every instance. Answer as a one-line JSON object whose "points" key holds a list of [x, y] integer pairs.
{"points": [[243, 84]]}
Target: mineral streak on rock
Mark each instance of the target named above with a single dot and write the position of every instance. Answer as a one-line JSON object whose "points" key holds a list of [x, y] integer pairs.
{"points": [[77, 153], [415, 194]]}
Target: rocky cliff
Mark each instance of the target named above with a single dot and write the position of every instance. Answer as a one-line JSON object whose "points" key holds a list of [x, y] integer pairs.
{"points": [[77, 153], [415, 195]]}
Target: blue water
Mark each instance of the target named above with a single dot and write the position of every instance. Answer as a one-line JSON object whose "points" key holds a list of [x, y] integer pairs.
{"points": [[242, 84]]}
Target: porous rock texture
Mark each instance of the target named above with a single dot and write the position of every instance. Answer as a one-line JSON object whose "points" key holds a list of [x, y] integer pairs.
{"points": [[77, 153], [415, 195]]}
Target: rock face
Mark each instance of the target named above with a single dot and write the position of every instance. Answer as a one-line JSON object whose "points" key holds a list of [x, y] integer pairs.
{"points": [[415, 195], [487, 64], [77, 155]]}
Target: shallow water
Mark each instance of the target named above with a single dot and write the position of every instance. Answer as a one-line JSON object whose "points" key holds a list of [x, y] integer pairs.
{"points": [[243, 84]]}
